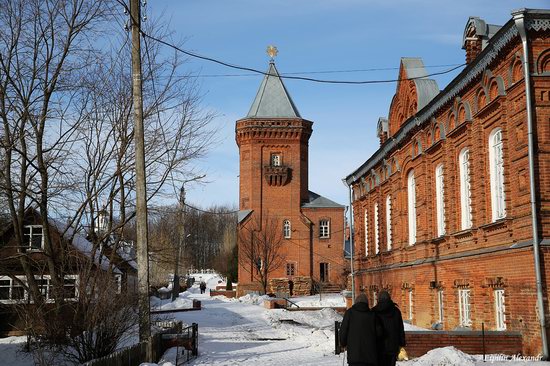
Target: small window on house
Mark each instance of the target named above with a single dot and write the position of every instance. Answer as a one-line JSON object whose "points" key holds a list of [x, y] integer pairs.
{"points": [[69, 288], [118, 282], [286, 229], [324, 229], [11, 291], [374, 298], [464, 307], [440, 306], [290, 269], [276, 160], [411, 304], [500, 310], [33, 237]]}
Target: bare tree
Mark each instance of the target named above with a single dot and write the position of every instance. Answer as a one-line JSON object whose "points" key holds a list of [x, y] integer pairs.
{"points": [[260, 248], [66, 135]]}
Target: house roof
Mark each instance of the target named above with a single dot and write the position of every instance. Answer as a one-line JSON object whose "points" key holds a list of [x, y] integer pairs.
{"points": [[243, 214], [318, 201], [272, 99], [426, 89], [80, 243]]}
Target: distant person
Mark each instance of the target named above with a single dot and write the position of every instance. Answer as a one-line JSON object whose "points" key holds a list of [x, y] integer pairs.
{"points": [[202, 287], [360, 333], [394, 331]]}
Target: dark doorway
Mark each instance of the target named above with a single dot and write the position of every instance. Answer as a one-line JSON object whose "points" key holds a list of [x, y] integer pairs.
{"points": [[324, 272]]}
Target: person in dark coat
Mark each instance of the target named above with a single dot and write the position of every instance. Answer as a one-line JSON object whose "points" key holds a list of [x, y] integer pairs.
{"points": [[202, 287], [360, 332], [394, 331]]}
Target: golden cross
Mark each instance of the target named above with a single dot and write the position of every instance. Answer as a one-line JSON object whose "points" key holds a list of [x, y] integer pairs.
{"points": [[272, 51]]}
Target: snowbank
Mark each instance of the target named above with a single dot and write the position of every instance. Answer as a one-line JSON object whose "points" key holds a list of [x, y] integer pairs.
{"points": [[444, 356]]}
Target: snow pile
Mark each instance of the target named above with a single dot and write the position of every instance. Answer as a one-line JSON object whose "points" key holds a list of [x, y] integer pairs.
{"points": [[409, 327], [444, 356], [317, 319], [316, 301]]}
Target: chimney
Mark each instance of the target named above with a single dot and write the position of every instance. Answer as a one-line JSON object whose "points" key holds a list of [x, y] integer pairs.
{"points": [[382, 130]]}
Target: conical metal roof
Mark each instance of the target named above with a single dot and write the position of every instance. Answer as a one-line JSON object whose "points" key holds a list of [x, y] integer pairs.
{"points": [[272, 99]]}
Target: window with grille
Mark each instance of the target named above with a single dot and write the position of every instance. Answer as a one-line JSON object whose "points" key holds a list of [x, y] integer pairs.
{"points": [[276, 160], [33, 237], [290, 269], [500, 310], [286, 229], [324, 229], [440, 200], [464, 307], [496, 166], [411, 193], [465, 190], [11, 291]]}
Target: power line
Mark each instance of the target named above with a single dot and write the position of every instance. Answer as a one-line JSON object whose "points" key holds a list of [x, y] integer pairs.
{"points": [[286, 76]]}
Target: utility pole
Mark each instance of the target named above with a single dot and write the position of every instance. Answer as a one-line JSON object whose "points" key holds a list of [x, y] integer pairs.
{"points": [[141, 191], [181, 242]]}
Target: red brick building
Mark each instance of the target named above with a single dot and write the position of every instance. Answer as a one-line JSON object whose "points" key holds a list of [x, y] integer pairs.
{"points": [[274, 198], [446, 211]]}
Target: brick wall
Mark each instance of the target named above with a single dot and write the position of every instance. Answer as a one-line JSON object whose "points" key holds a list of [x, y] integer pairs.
{"points": [[489, 255], [420, 342]]}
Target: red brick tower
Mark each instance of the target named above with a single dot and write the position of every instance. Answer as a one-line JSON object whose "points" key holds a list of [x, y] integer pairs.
{"points": [[274, 196]]}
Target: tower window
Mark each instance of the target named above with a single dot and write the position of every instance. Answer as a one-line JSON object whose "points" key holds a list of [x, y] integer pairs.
{"points": [[324, 229], [276, 160], [286, 229]]}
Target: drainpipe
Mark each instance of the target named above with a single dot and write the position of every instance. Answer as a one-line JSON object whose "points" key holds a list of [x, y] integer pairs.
{"points": [[350, 210], [519, 18]]}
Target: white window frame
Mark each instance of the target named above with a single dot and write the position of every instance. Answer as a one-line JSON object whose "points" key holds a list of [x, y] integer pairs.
{"points": [[10, 287], [440, 305], [388, 223], [500, 310], [47, 286], [324, 228], [411, 200], [374, 298], [440, 199], [496, 166], [276, 159], [411, 303], [28, 244], [291, 265], [118, 282], [287, 229], [464, 307], [366, 233], [376, 232], [465, 190]]}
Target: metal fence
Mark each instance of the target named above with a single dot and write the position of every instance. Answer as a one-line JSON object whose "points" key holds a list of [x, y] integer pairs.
{"points": [[137, 354]]}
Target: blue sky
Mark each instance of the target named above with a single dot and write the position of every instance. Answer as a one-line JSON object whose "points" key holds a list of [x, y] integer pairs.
{"points": [[312, 36]]}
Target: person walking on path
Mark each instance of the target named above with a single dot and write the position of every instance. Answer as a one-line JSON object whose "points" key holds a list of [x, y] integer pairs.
{"points": [[394, 331], [360, 333], [202, 287]]}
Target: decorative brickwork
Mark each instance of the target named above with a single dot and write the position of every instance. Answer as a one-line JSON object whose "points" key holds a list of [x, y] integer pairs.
{"points": [[273, 185], [476, 266]]}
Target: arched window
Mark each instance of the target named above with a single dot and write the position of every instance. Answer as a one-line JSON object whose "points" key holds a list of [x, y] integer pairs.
{"points": [[496, 164], [440, 200], [286, 229], [411, 194], [465, 190], [376, 234], [366, 233], [388, 222]]}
